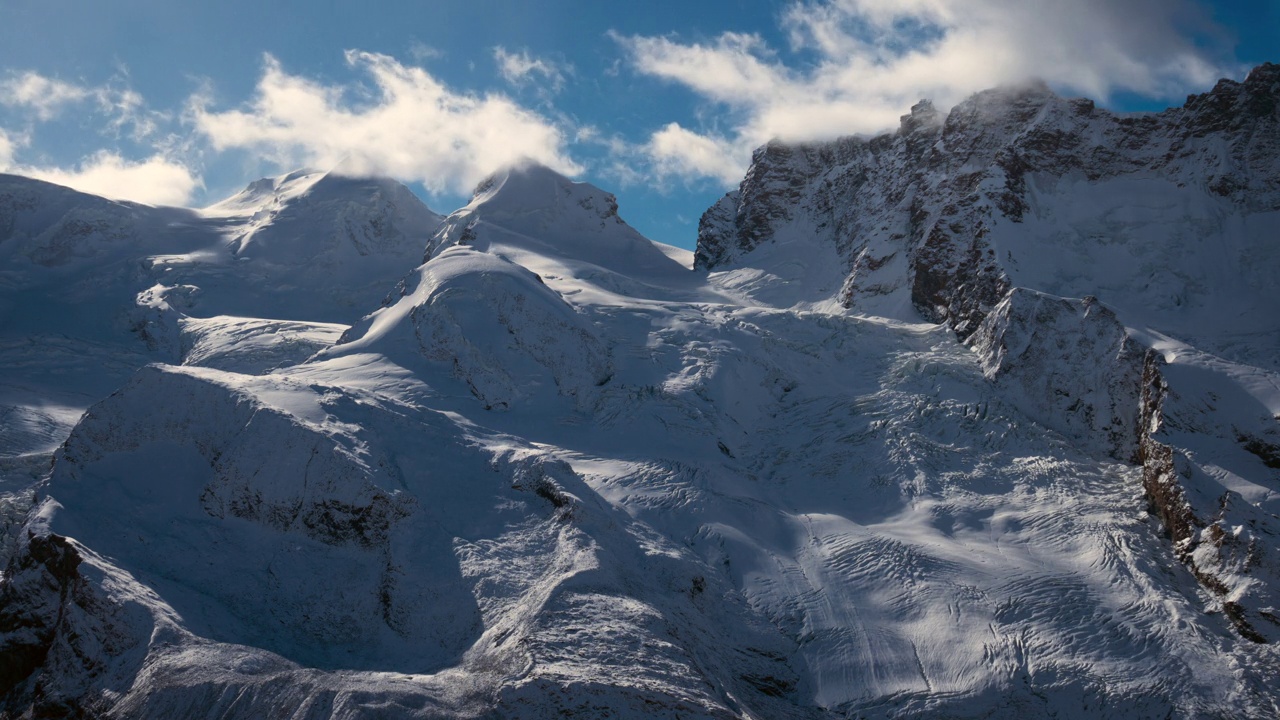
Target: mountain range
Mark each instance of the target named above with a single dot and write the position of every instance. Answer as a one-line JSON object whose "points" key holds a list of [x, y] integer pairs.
{"points": [[978, 418]]}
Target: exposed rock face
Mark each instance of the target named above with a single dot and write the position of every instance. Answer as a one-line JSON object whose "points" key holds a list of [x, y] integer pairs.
{"points": [[1191, 444], [1162, 216], [31, 609], [1069, 363], [53, 618], [934, 192]]}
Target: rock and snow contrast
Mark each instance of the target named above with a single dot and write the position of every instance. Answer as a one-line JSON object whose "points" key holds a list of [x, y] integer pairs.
{"points": [[976, 419]]}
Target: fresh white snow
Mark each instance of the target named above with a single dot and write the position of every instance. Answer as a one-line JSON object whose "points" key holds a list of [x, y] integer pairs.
{"points": [[555, 470]]}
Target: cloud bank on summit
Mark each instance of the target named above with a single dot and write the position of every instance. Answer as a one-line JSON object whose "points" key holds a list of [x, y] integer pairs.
{"points": [[635, 104]]}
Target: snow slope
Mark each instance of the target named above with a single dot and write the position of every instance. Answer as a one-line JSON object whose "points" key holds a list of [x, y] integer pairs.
{"points": [[557, 472], [93, 289]]}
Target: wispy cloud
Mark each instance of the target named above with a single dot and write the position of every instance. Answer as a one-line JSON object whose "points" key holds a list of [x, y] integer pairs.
{"points": [[421, 51], [7, 147], [156, 180], [45, 97], [413, 127], [520, 69], [127, 111], [859, 64]]}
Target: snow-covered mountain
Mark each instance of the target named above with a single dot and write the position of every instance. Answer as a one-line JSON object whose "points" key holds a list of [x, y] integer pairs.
{"points": [[92, 289], [977, 419], [989, 219]]}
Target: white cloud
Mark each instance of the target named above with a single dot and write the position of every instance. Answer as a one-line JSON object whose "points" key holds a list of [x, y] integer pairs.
{"points": [[676, 151], [860, 64], [730, 70], [126, 108], [421, 51], [46, 97], [413, 128], [519, 68], [7, 146], [155, 181]]}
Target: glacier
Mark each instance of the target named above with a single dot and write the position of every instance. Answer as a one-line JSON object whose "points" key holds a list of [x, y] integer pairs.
{"points": [[974, 419]]}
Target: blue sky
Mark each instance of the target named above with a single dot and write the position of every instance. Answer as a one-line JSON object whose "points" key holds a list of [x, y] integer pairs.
{"points": [[660, 102]]}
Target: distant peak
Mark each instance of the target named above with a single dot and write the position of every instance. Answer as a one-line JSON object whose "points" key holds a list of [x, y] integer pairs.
{"points": [[356, 168], [923, 114], [532, 207], [272, 193], [1031, 89], [343, 179], [1006, 106], [265, 192], [522, 174], [1264, 74], [530, 186], [1233, 106], [296, 175]]}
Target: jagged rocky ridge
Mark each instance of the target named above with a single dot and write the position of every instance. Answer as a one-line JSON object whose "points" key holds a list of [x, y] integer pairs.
{"points": [[942, 206], [557, 472], [1169, 218]]}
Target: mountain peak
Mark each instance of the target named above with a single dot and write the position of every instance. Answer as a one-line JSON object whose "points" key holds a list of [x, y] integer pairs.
{"points": [[530, 206], [1236, 106], [308, 217], [1266, 74], [923, 114], [531, 187], [274, 192], [531, 199], [265, 193]]}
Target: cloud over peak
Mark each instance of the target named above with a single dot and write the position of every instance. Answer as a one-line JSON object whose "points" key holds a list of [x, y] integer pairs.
{"points": [[412, 127], [156, 180], [828, 68], [856, 65]]}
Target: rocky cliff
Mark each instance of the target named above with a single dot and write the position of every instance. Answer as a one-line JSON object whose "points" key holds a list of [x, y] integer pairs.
{"points": [[993, 218]]}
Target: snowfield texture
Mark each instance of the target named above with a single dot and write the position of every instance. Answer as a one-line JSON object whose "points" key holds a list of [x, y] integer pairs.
{"points": [[978, 419]]}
